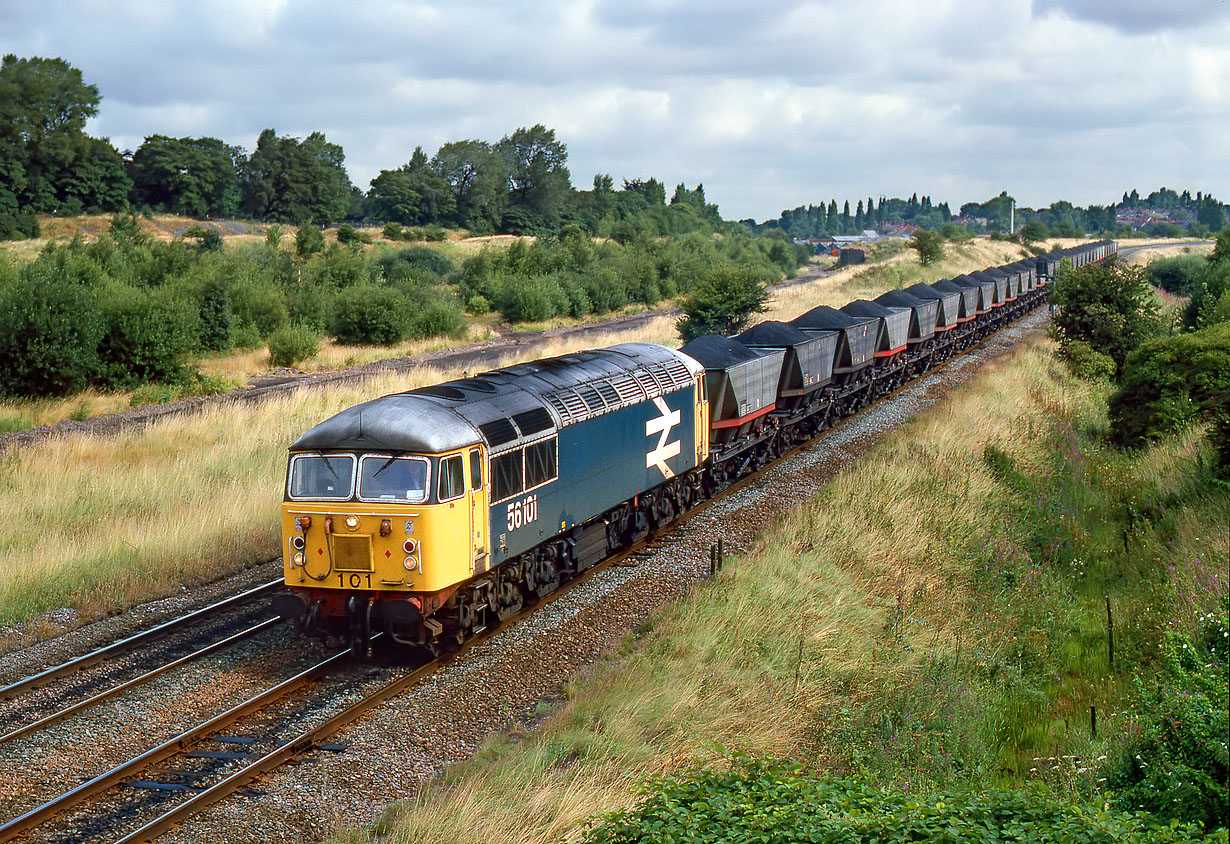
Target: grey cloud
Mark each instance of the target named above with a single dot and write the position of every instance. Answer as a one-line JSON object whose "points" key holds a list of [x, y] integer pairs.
{"points": [[1139, 16]]}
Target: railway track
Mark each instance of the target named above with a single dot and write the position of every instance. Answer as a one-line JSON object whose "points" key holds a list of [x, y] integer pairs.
{"points": [[235, 770], [36, 705], [242, 768]]}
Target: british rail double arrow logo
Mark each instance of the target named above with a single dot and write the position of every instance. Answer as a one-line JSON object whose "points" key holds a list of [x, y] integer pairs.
{"points": [[662, 426]]}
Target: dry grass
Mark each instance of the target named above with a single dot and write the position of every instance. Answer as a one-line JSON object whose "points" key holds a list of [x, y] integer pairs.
{"points": [[101, 523], [862, 581], [866, 281]]}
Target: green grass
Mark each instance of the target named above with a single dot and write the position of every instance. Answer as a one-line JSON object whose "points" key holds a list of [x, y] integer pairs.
{"points": [[945, 630]]}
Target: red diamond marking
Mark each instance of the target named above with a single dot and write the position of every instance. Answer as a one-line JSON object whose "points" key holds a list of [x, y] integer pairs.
{"points": [[388, 553], [320, 550]]}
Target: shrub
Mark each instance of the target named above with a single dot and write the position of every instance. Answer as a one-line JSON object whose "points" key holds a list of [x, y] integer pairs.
{"points": [[436, 316], [350, 236], [723, 302], [259, 302], [1177, 769], [928, 245], [308, 240], [207, 238], [780, 803], [1087, 363], [1177, 275], [49, 333], [1110, 306], [245, 336], [531, 299], [391, 231], [1171, 382], [369, 315], [148, 334], [291, 344]]}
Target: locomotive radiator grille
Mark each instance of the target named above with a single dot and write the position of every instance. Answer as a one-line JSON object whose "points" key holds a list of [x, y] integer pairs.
{"points": [[352, 553]]}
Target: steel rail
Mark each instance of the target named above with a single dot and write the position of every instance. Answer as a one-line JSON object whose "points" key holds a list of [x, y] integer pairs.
{"points": [[172, 747], [311, 738], [136, 681], [123, 645]]}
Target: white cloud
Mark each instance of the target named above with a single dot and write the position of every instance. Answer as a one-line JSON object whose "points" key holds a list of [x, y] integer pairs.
{"points": [[770, 105]]}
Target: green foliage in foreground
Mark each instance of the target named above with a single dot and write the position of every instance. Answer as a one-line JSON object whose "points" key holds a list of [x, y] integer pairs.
{"points": [[1177, 768], [1109, 305], [777, 802]]}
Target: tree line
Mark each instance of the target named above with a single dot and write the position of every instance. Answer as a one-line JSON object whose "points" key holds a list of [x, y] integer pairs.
{"points": [[1198, 216], [519, 184]]}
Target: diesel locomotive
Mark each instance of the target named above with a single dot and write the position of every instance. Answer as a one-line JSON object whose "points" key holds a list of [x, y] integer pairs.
{"points": [[434, 513]]}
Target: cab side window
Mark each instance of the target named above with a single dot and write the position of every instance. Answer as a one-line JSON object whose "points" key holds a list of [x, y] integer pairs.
{"points": [[476, 470], [452, 477]]}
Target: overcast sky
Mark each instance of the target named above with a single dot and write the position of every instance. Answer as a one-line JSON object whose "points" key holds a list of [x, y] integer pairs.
{"points": [[770, 104]]}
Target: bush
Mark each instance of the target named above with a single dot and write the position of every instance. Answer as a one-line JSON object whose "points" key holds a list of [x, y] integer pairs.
{"points": [[391, 231], [723, 302], [350, 236], [49, 333], [308, 241], [291, 344], [1087, 363], [1177, 769], [1179, 275], [1171, 382], [259, 302], [928, 245], [369, 315], [780, 803], [436, 316], [1109, 306], [148, 335]]}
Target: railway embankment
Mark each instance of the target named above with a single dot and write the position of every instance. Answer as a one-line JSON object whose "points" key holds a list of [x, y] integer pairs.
{"points": [[989, 599]]}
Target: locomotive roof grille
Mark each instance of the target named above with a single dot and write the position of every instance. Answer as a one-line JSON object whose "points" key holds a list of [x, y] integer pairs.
{"points": [[497, 432], [534, 421]]}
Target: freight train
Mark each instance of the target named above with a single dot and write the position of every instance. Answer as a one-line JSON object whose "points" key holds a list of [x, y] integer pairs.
{"points": [[434, 513]]}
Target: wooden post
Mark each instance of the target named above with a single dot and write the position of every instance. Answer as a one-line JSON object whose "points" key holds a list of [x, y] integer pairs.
{"points": [[1093, 721], [1110, 635]]}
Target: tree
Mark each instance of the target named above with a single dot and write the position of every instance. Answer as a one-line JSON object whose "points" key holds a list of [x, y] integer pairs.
{"points": [[722, 302], [49, 163], [194, 176], [1170, 382], [1033, 231], [929, 246], [538, 178], [1109, 305], [291, 181], [413, 195], [477, 178]]}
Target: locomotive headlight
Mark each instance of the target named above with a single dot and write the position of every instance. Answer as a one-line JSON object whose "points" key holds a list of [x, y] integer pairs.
{"points": [[297, 560], [386, 527], [297, 542], [352, 523], [410, 563], [409, 545]]}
